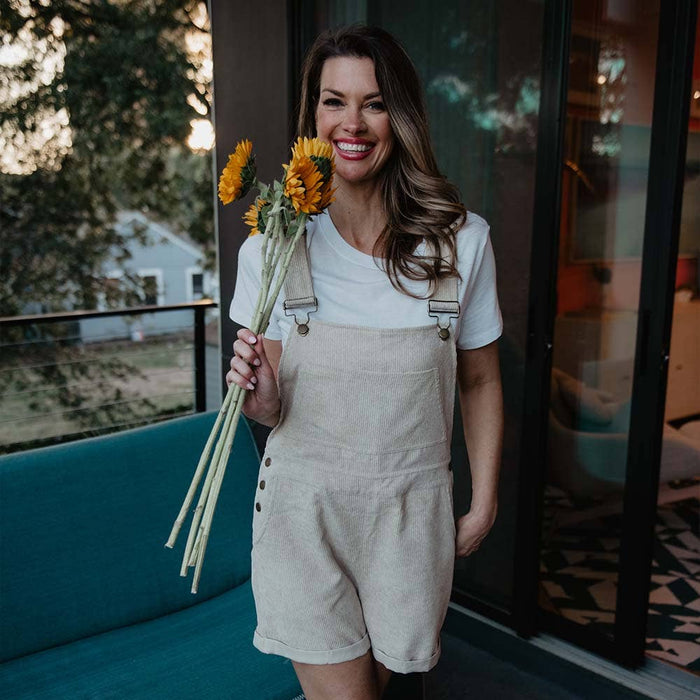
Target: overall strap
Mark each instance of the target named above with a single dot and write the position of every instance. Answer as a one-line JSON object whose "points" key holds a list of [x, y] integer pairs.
{"points": [[298, 288], [444, 303], [300, 299]]}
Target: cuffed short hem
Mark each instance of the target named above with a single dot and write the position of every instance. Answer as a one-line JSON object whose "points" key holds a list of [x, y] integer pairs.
{"points": [[311, 656], [410, 666]]}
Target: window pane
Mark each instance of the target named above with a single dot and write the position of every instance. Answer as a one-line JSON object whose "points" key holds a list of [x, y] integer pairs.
{"points": [[150, 290], [197, 285], [604, 182]]}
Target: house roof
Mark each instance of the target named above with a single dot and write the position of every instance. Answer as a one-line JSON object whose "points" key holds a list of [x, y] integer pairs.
{"points": [[124, 218]]}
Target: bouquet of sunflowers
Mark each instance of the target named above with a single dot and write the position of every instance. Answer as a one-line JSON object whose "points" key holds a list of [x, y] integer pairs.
{"points": [[279, 213]]}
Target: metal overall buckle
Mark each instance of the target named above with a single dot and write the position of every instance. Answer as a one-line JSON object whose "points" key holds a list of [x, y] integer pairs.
{"points": [[303, 310], [443, 310]]}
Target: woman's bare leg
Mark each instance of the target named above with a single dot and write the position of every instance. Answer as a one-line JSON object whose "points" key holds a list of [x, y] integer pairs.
{"points": [[348, 680], [383, 676]]}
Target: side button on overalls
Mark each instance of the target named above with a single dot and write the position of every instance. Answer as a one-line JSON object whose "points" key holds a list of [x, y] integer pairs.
{"points": [[353, 524]]}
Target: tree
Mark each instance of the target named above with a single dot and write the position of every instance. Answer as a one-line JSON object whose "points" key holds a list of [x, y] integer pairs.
{"points": [[125, 95], [97, 101]]}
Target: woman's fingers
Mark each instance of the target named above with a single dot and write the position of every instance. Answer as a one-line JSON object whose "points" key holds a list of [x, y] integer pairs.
{"points": [[260, 349], [472, 530], [251, 348], [233, 377], [243, 349], [243, 368], [245, 359]]}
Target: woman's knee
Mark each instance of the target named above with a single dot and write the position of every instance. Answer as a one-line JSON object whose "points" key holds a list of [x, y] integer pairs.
{"points": [[349, 680]]}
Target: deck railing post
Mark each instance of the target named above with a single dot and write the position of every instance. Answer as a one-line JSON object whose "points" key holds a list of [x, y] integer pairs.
{"points": [[200, 372]]}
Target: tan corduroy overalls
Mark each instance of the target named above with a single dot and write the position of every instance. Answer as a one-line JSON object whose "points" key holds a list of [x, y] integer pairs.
{"points": [[353, 524]]}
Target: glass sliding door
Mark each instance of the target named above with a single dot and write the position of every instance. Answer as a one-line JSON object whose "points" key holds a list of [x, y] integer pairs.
{"points": [[674, 614], [603, 190], [612, 283]]}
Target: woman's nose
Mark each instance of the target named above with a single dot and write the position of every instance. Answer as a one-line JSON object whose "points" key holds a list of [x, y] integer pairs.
{"points": [[354, 122]]}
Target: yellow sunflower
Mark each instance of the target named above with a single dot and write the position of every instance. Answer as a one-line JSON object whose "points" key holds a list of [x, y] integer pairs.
{"points": [[253, 217], [309, 175], [312, 148], [239, 173], [302, 185]]}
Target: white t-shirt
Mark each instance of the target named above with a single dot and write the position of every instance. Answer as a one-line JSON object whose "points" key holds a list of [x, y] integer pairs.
{"points": [[352, 288]]}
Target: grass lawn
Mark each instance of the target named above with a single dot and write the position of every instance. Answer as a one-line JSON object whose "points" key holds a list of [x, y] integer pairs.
{"points": [[93, 388]]}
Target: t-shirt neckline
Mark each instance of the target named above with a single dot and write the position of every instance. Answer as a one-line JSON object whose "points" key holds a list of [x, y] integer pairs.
{"points": [[343, 248]]}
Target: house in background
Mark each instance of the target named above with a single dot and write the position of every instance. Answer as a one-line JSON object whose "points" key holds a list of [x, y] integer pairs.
{"points": [[172, 269]]}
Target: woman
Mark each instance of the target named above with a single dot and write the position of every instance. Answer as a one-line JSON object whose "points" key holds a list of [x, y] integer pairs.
{"points": [[391, 299]]}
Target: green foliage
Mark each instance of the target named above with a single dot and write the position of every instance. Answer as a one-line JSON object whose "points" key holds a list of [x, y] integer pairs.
{"points": [[119, 77], [124, 89]]}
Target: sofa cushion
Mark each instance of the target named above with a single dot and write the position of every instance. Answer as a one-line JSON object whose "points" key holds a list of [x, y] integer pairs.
{"points": [[84, 526], [205, 651]]}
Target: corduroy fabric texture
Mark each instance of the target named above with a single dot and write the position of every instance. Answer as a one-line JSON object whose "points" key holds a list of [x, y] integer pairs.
{"points": [[354, 531], [202, 652], [84, 526]]}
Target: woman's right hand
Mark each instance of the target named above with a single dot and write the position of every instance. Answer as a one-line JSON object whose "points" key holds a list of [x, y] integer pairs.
{"points": [[251, 369]]}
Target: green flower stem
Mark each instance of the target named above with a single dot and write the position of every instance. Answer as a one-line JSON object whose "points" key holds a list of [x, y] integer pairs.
{"points": [[279, 237], [277, 252], [267, 261], [213, 497], [204, 458], [236, 396], [236, 392], [232, 397], [270, 231], [199, 533], [302, 219]]}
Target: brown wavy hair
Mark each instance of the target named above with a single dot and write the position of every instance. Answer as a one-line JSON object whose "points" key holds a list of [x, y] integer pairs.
{"points": [[418, 200]]}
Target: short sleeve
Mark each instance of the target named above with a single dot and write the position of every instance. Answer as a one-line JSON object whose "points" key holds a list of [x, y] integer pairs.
{"points": [[481, 321], [247, 287]]}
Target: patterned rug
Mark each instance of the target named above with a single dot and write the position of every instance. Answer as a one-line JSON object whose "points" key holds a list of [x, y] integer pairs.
{"points": [[579, 567]]}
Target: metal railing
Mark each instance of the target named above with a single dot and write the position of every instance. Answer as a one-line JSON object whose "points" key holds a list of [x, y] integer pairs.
{"points": [[24, 341]]}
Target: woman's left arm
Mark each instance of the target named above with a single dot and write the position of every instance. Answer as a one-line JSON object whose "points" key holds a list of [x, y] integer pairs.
{"points": [[481, 402]]}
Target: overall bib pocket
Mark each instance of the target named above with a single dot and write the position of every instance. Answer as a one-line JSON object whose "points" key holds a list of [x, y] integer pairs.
{"points": [[368, 412]]}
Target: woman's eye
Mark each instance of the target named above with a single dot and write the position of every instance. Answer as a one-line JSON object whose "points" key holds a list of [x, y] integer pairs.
{"points": [[332, 102], [376, 106]]}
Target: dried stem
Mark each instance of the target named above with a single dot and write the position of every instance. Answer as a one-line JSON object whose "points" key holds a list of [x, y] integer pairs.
{"points": [[276, 248], [204, 458]]}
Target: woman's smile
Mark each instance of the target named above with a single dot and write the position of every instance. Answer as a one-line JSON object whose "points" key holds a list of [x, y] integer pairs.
{"points": [[353, 149]]}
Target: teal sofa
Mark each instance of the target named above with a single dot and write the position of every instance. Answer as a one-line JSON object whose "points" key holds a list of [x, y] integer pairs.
{"points": [[91, 602]]}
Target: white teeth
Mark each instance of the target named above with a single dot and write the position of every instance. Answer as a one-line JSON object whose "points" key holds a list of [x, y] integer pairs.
{"points": [[353, 146]]}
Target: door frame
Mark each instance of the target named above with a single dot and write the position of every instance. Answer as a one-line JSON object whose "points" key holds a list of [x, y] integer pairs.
{"points": [[674, 69], [674, 65], [542, 305]]}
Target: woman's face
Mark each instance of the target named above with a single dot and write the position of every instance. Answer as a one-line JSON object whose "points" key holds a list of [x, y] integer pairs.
{"points": [[351, 116]]}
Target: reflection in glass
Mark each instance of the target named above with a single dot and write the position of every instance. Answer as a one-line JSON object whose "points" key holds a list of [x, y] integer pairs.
{"points": [[674, 568], [604, 182]]}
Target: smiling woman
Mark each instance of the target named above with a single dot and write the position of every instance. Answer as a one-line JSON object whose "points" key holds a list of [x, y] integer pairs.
{"points": [[393, 298]]}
